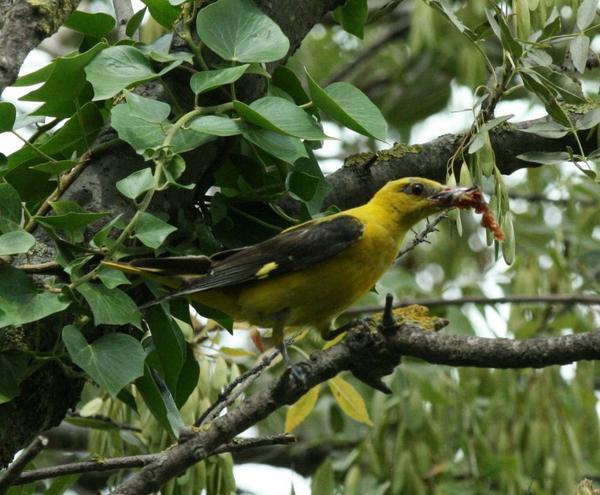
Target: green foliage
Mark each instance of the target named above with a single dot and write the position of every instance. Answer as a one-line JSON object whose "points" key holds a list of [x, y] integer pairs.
{"points": [[237, 30], [442, 431], [113, 360]]}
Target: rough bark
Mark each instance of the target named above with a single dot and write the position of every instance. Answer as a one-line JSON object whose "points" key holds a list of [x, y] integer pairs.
{"points": [[365, 173], [23, 25]]}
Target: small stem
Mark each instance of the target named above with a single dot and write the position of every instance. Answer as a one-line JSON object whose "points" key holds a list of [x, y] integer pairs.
{"points": [[33, 146]]}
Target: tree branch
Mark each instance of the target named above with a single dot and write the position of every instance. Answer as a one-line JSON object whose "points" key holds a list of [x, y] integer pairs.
{"points": [[363, 351], [422, 236], [513, 299], [136, 461], [16, 468], [364, 173], [23, 25]]}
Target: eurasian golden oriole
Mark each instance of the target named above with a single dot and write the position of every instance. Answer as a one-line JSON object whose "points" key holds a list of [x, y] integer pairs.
{"points": [[310, 273]]}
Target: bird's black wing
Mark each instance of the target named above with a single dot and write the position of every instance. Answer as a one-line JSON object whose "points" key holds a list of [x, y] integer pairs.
{"points": [[292, 250]]}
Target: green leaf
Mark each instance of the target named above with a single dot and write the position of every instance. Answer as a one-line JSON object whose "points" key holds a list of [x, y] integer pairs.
{"points": [[55, 167], [551, 130], [95, 25], [152, 231], [16, 242], [545, 158], [586, 13], [216, 126], [136, 183], [353, 16], [61, 484], [163, 12], [508, 246], [159, 400], [237, 30], [589, 119], [116, 68], [310, 166], [169, 344], [13, 367], [299, 411], [8, 114], [65, 90], [35, 77], [286, 148], [188, 378], [286, 79], [349, 400], [135, 22], [21, 303], [323, 482], [579, 48], [280, 115], [113, 360], [349, 106], [204, 81], [112, 278], [73, 138], [446, 8], [10, 208], [73, 223], [301, 185], [479, 139], [142, 122], [110, 306]]}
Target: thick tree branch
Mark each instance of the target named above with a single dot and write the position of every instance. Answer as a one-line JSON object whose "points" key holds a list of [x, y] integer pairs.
{"points": [[364, 173], [23, 25], [363, 351]]}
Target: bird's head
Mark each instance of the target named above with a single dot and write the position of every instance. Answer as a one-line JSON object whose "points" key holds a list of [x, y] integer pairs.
{"points": [[411, 199]]}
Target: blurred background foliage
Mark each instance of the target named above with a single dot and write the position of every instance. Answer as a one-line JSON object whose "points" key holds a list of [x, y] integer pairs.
{"points": [[444, 431]]}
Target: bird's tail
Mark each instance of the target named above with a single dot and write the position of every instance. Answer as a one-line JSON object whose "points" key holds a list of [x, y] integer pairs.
{"points": [[171, 272]]}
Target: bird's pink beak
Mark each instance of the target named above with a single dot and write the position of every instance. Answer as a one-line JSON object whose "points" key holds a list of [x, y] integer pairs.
{"points": [[448, 196]]}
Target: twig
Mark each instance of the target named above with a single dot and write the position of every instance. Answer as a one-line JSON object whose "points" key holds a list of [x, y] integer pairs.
{"points": [[13, 472], [107, 420], [94, 466], [239, 444], [226, 397], [399, 30], [514, 299], [540, 198], [136, 461], [41, 268], [422, 236]]}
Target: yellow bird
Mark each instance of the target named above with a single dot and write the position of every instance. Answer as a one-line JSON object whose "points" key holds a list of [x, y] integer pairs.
{"points": [[308, 274]]}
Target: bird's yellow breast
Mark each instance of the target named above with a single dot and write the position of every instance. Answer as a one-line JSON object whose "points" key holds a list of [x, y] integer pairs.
{"points": [[314, 295]]}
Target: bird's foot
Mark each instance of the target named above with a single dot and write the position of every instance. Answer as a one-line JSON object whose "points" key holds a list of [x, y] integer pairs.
{"points": [[295, 369]]}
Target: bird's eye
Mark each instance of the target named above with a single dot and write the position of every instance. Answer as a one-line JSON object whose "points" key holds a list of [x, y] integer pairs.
{"points": [[417, 189]]}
